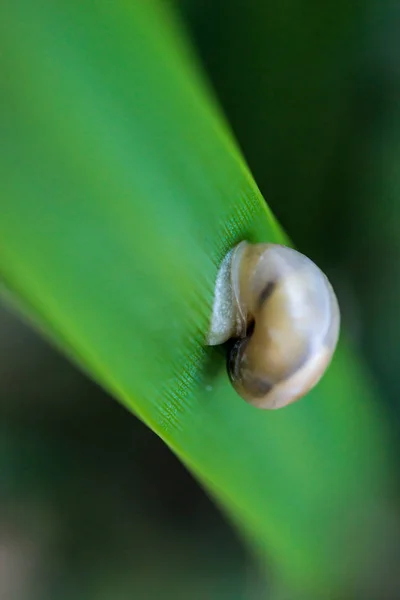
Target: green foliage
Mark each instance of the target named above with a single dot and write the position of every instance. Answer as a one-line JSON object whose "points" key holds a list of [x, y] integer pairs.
{"points": [[121, 190]]}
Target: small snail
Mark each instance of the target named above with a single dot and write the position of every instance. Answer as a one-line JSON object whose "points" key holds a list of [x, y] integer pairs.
{"points": [[285, 316]]}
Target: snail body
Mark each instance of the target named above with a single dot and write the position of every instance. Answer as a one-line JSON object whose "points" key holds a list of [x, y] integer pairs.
{"points": [[285, 317]]}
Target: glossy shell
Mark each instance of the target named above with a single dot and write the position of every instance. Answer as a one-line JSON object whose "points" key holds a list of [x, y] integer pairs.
{"points": [[283, 312]]}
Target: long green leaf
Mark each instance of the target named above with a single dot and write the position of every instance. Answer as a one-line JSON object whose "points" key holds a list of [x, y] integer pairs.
{"points": [[121, 191]]}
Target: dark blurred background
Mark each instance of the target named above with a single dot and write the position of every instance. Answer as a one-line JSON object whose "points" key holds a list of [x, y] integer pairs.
{"points": [[92, 504]]}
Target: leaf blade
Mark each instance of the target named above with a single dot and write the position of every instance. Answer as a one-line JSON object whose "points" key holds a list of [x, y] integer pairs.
{"points": [[121, 192]]}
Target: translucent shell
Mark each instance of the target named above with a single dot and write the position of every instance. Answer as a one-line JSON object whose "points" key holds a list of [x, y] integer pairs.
{"points": [[285, 317]]}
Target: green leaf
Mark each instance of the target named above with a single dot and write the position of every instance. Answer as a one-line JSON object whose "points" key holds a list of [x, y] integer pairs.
{"points": [[121, 191]]}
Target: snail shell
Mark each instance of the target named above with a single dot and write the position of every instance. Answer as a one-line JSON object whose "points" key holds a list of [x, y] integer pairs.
{"points": [[285, 316]]}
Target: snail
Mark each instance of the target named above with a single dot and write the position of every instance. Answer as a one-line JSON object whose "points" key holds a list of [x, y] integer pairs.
{"points": [[285, 317]]}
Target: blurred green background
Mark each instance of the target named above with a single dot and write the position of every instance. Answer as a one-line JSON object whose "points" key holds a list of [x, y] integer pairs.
{"points": [[92, 504]]}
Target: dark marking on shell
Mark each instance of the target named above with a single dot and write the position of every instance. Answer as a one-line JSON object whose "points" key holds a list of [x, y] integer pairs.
{"points": [[258, 387], [234, 358], [266, 293]]}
